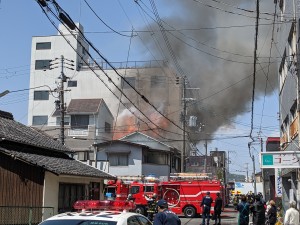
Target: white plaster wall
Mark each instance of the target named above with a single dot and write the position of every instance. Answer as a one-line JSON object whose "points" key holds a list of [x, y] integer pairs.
{"points": [[51, 189], [51, 186]]}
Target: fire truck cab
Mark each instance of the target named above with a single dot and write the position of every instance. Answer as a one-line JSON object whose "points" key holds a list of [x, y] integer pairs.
{"points": [[116, 190], [142, 191], [184, 196]]}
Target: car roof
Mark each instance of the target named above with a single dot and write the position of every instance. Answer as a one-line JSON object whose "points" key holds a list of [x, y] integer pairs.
{"points": [[116, 216]]}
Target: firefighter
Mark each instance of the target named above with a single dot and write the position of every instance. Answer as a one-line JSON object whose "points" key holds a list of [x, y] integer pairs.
{"points": [[206, 204], [151, 207], [218, 209]]}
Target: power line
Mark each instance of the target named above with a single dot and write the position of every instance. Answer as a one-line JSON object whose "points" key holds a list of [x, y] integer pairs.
{"points": [[104, 22]]}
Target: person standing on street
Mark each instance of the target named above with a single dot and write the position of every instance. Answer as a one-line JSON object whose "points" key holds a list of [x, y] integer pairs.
{"points": [[292, 215], [218, 209], [258, 210], [206, 204], [164, 215], [244, 210], [272, 213]]}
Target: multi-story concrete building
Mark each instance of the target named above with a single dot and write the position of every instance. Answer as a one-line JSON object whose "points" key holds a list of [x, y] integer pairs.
{"points": [[103, 101], [287, 44]]}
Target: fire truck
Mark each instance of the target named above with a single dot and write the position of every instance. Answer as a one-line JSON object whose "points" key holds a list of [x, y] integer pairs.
{"points": [[142, 191], [185, 193]]}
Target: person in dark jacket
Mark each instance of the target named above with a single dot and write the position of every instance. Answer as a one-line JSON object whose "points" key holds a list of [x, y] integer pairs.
{"points": [[272, 213], [206, 204], [164, 215], [258, 210], [218, 209], [244, 210]]}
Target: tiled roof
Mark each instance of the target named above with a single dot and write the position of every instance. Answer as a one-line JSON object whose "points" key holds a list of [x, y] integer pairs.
{"points": [[59, 166], [88, 106], [14, 131]]}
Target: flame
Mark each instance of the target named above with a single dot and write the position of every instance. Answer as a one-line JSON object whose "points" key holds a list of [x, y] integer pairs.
{"points": [[127, 124]]}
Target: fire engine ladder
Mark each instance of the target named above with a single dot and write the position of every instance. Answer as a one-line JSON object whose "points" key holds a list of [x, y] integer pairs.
{"points": [[144, 179], [190, 176]]}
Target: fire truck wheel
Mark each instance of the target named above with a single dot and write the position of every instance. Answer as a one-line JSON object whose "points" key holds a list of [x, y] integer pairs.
{"points": [[189, 212], [140, 210]]}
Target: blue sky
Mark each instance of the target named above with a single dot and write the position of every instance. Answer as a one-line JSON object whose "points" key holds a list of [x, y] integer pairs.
{"points": [[20, 20]]}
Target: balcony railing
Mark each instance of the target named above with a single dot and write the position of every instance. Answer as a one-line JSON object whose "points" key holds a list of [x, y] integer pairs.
{"points": [[78, 132]]}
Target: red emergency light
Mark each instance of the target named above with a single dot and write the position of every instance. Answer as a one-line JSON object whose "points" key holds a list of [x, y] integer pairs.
{"points": [[103, 205]]}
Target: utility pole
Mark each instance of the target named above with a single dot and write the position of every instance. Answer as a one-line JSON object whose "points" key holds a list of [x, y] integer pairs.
{"points": [[205, 157], [247, 179], [228, 162], [262, 170], [62, 101], [183, 125], [60, 104], [254, 180]]}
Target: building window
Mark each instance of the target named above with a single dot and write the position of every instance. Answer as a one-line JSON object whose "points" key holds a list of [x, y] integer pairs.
{"points": [[293, 111], [39, 120], [80, 121], [282, 9], [118, 159], [42, 64], [43, 45], [67, 120], [72, 83], [83, 50], [155, 158], [84, 156], [283, 70], [291, 45], [107, 127], [41, 95], [130, 80], [158, 81]]}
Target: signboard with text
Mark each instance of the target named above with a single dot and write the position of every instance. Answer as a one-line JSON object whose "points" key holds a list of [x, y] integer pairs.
{"points": [[281, 159], [278, 183]]}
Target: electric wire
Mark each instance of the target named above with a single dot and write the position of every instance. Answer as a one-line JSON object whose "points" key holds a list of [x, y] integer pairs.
{"points": [[104, 22]]}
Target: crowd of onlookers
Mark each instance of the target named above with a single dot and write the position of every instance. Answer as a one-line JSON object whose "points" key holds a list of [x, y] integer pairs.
{"points": [[263, 213]]}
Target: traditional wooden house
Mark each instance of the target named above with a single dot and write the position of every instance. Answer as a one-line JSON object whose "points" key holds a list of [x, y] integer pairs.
{"points": [[38, 176]]}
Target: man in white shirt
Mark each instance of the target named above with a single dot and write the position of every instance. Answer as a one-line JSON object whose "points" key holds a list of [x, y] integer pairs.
{"points": [[292, 215]]}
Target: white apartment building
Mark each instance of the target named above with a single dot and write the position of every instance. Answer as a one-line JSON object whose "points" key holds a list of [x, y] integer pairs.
{"points": [[93, 109]]}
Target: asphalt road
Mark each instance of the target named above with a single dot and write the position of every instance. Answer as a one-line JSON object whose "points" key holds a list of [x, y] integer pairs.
{"points": [[229, 216]]}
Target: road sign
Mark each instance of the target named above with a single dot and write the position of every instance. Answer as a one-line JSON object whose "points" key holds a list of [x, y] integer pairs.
{"points": [[280, 159]]}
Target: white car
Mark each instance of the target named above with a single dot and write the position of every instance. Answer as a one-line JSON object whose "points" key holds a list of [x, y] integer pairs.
{"points": [[97, 218]]}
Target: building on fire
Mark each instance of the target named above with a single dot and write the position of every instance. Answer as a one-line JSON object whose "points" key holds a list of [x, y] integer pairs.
{"points": [[102, 101]]}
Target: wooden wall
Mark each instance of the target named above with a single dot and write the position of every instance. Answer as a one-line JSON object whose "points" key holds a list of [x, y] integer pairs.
{"points": [[21, 184]]}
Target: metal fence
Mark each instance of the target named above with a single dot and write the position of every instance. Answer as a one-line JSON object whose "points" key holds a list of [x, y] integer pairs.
{"points": [[21, 215]]}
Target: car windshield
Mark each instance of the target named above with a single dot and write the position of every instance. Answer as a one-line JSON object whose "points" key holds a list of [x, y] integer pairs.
{"points": [[78, 222]]}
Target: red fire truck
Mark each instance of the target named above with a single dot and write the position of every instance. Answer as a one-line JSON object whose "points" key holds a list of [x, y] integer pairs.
{"points": [[185, 196], [183, 192]]}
